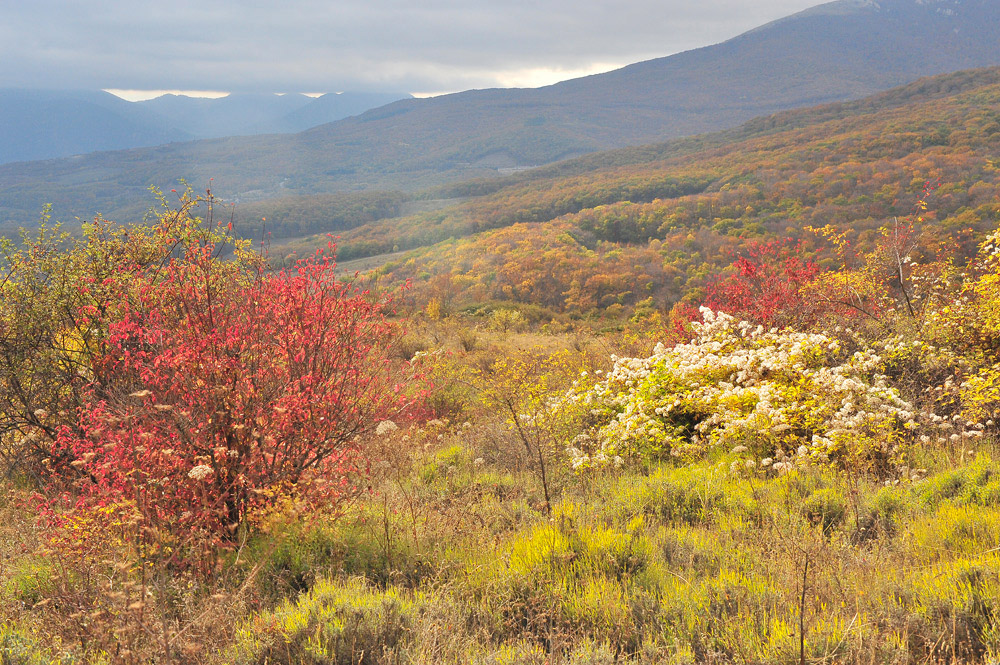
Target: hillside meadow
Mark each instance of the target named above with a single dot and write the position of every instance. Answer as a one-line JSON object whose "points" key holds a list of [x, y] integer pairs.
{"points": [[733, 399], [331, 477]]}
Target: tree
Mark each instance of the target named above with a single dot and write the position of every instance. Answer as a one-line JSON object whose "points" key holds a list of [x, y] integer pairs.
{"points": [[535, 394]]}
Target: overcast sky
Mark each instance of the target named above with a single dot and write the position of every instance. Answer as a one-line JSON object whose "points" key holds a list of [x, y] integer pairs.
{"points": [[417, 46]]}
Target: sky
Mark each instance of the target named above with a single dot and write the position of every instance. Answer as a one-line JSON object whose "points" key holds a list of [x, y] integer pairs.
{"points": [[312, 46]]}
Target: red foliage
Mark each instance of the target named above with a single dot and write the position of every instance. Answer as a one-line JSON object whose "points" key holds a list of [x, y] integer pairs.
{"points": [[223, 385], [678, 328], [766, 285]]}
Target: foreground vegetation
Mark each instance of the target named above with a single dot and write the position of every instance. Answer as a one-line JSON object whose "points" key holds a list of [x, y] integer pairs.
{"points": [[455, 561], [705, 487], [617, 432]]}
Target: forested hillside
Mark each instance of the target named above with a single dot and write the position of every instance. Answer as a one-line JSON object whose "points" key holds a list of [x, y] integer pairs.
{"points": [[621, 227]]}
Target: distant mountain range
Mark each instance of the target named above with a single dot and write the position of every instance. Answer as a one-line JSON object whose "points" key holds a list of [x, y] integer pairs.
{"points": [[44, 124], [247, 114], [836, 51], [40, 124]]}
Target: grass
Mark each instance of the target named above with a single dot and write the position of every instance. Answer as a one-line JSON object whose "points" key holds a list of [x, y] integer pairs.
{"points": [[452, 561], [673, 564], [654, 567], [449, 556]]}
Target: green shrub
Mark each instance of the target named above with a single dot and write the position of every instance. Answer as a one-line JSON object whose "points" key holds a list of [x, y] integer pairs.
{"points": [[336, 623], [889, 507], [446, 461], [18, 647], [680, 495], [826, 507], [566, 578], [30, 583], [785, 398], [978, 483]]}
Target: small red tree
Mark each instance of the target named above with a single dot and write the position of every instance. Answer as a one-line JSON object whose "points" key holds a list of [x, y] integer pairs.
{"points": [[766, 285], [224, 383]]}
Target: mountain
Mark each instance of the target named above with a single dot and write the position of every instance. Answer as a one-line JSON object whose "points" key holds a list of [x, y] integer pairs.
{"points": [[248, 113], [328, 108], [40, 124], [45, 124], [231, 115], [642, 227], [837, 51]]}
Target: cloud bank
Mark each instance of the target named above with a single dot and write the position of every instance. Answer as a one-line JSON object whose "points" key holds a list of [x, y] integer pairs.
{"points": [[374, 45]]}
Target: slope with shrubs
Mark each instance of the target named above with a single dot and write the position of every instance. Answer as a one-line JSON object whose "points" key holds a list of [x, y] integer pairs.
{"points": [[662, 218], [826, 494], [218, 461], [822, 492]]}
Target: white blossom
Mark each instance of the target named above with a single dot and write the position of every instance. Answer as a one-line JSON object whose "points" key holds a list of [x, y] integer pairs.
{"points": [[385, 428], [740, 382], [200, 472]]}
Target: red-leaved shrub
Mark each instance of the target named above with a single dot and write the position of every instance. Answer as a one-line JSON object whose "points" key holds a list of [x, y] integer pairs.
{"points": [[222, 385], [766, 285]]}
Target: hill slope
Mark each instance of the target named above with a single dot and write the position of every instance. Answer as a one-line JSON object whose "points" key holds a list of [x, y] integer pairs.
{"points": [[611, 230], [836, 51], [41, 124]]}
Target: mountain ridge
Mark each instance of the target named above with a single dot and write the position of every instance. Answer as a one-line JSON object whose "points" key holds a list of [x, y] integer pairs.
{"points": [[807, 58], [49, 124]]}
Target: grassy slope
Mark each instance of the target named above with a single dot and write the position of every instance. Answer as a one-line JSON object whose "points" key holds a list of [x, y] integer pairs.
{"points": [[452, 559]]}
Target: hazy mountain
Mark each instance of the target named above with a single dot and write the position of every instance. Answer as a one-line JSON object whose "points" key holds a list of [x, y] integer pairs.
{"points": [[233, 115], [833, 52], [39, 124], [838, 51], [43, 124], [330, 107], [244, 114]]}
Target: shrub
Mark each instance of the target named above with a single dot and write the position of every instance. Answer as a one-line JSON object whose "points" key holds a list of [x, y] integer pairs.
{"points": [[766, 286], [686, 495], [825, 507], [344, 623], [221, 386], [782, 396], [977, 483], [18, 647], [58, 295]]}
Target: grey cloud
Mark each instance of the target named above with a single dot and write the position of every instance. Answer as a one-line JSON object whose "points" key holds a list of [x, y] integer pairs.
{"points": [[309, 45]]}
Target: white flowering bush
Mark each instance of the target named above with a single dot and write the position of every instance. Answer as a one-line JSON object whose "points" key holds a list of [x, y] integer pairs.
{"points": [[967, 323], [780, 397]]}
